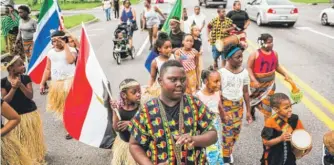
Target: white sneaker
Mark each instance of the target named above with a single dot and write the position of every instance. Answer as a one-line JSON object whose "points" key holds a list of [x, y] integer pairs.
{"points": [[227, 164], [231, 157]]}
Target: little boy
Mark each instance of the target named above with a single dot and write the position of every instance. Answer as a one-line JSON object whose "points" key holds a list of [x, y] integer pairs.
{"points": [[276, 134], [328, 158]]}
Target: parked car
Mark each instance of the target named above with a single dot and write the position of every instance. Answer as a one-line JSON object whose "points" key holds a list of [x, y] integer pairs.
{"points": [[208, 3], [272, 12], [327, 16]]}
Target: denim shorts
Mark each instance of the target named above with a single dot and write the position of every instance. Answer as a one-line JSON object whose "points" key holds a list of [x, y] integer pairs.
{"points": [[216, 53]]}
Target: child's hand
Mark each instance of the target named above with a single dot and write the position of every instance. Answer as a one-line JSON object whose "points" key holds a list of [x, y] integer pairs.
{"points": [[286, 136], [255, 84], [123, 125], [113, 104]]}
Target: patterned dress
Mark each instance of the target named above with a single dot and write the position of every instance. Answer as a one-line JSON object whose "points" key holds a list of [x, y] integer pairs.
{"points": [[217, 26], [155, 136]]}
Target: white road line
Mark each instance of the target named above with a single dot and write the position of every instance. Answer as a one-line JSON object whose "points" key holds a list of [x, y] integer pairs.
{"points": [[314, 31], [142, 47]]}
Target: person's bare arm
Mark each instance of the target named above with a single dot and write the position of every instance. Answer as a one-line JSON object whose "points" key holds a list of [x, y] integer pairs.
{"points": [[138, 152], [197, 69], [70, 56], [247, 22], [250, 66], [11, 115], [206, 139], [159, 12], [154, 73], [8, 96], [247, 101], [115, 121], [134, 14], [46, 74], [27, 90]]}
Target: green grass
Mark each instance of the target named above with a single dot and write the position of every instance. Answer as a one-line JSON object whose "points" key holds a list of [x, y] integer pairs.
{"points": [[63, 6], [133, 2], [311, 1], [74, 20]]}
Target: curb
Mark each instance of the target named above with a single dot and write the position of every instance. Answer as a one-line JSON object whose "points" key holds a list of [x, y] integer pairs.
{"points": [[71, 29]]}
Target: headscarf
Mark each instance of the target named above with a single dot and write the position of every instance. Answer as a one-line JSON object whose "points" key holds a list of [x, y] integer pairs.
{"points": [[125, 84]]}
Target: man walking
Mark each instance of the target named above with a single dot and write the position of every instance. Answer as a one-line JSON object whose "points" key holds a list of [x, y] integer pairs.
{"points": [[198, 18], [106, 6]]}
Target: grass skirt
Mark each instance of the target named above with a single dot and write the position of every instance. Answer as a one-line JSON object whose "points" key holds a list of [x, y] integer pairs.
{"points": [[121, 153], [30, 133], [149, 93], [13, 153], [57, 95]]}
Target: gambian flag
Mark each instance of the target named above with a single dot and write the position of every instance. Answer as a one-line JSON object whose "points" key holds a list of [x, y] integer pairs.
{"points": [[49, 19], [87, 114], [176, 12]]}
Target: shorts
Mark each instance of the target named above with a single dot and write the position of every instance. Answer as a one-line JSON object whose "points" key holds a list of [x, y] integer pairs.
{"points": [[216, 53]]}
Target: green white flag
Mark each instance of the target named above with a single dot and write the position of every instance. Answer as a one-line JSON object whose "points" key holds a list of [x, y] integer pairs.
{"points": [[176, 12]]}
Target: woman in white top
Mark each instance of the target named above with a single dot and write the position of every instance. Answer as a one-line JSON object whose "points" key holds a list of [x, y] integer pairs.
{"points": [[151, 20], [60, 67]]}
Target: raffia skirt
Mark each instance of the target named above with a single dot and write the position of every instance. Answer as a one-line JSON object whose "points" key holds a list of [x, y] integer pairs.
{"points": [[121, 153], [30, 134], [57, 96], [13, 152]]}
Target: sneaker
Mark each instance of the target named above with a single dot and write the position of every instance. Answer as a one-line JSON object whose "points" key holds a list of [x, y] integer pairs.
{"points": [[232, 160], [68, 137], [227, 164]]}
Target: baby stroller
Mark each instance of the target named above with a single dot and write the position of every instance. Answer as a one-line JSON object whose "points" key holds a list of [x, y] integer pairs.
{"points": [[121, 48]]}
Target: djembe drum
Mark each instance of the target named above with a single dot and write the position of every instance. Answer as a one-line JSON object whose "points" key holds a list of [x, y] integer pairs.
{"points": [[236, 38], [301, 141]]}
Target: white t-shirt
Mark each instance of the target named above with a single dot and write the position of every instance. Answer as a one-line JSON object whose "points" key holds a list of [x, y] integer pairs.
{"points": [[233, 84], [60, 69], [198, 19], [187, 26], [106, 4]]}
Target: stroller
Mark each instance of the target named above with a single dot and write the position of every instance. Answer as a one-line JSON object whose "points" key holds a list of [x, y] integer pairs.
{"points": [[121, 48]]}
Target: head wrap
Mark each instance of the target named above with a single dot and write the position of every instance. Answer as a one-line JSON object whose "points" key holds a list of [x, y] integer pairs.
{"points": [[122, 87], [12, 61], [229, 55]]}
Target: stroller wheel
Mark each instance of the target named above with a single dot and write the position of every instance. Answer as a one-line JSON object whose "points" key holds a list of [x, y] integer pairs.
{"points": [[133, 52], [114, 55], [118, 58]]}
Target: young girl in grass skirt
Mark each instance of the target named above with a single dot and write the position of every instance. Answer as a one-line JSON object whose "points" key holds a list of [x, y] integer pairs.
{"points": [[12, 152], [163, 46], [60, 68], [16, 90], [130, 95]]}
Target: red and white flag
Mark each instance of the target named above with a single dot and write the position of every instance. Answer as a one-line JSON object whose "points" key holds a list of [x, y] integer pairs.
{"points": [[87, 114]]}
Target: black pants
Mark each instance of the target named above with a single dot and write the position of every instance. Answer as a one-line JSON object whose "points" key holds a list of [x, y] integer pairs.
{"points": [[116, 11]]}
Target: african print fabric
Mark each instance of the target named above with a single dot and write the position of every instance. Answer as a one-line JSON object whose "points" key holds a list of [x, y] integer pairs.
{"points": [[232, 127], [260, 96], [214, 153], [151, 132], [217, 27]]}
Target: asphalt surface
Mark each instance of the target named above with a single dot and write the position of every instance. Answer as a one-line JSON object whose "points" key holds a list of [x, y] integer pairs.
{"points": [[303, 52]]}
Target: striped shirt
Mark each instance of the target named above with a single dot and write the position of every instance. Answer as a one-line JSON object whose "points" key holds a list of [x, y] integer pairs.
{"points": [[188, 59], [7, 23]]}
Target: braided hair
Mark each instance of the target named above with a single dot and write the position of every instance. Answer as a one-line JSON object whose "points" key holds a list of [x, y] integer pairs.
{"points": [[263, 39], [206, 73], [162, 38]]}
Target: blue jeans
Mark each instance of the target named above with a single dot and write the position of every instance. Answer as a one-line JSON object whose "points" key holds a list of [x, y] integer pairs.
{"points": [[216, 53], [108, 14]]}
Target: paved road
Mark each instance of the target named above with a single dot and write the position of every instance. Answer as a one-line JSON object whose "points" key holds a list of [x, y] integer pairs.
{"points": [[303, 52]]}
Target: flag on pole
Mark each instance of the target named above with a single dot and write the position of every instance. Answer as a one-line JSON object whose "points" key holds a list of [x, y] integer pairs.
{"points": [[49, 19], [176, 12], [87, 114]]}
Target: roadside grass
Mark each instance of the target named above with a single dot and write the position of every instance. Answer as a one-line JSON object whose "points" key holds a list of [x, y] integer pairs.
{"points": [[311, 1], [74, 20], [70, 21], [64, 6]]}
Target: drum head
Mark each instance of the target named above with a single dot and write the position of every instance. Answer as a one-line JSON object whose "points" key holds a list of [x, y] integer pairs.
{"points": [[301, 139]]}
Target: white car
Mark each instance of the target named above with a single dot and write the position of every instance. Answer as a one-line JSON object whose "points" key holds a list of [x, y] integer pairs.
{"points": [[272, 12], [327, 16]]}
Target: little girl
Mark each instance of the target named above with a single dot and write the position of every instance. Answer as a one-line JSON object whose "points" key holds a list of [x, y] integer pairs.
{"points": [[163, 47], [210, 95], [130, 95], [17, 91], [195, 32], [189, 58]]}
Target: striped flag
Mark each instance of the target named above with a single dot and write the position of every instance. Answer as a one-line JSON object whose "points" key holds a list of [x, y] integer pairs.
{"points": [[87, 114], [176, 12], [49, 19]]}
